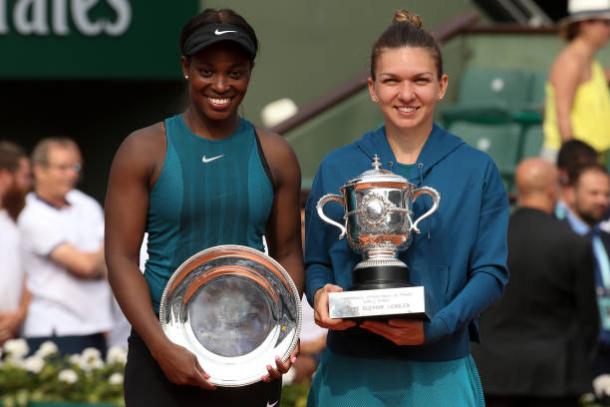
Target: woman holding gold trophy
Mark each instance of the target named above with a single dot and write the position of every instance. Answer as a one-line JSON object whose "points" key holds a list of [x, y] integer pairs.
{"points": [[200, 179], [458, 256]]}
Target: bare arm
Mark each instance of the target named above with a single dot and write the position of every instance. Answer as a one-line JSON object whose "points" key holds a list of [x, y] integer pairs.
{"points": [[314, 346], [565, 76], [81, 264], [136, 163], [10, 322], [125, 212], [284, 225], [24, 304]]}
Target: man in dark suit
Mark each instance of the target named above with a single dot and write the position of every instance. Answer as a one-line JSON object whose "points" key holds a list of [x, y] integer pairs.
{"points": [[588, 199], [538, 340]]}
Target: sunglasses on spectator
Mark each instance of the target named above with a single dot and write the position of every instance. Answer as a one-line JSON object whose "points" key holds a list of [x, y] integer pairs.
{"points": [[65, 167]]}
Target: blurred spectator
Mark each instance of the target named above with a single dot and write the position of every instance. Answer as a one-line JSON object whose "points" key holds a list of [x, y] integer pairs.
{"points": [[537, 341], [577, 98], [573, 155], [62, 239], [14, 201], [312, 344], [313, 337], [15, 181], [121, 328], [589, 200]]}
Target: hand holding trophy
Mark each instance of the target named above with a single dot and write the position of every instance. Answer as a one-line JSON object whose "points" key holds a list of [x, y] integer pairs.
{"points": [[378, 224]]}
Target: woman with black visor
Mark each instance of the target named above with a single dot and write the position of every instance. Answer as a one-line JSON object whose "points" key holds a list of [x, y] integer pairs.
{"points": [[199, 179]]}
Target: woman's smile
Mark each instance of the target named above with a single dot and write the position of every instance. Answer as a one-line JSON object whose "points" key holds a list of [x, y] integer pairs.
{"points": [[220, 103]]}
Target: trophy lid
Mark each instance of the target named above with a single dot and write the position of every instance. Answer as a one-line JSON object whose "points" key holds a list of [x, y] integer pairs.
{"points": [[377, 174]]}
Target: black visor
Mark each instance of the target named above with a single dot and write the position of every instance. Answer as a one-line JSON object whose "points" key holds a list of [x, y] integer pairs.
{"points": [[213, 33]]}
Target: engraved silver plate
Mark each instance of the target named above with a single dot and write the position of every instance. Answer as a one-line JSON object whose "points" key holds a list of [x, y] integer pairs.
{"points": [[236, 309], [404, 301]]}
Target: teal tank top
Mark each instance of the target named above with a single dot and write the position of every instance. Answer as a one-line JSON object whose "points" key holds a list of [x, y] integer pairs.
{"points": [[209, 193]]}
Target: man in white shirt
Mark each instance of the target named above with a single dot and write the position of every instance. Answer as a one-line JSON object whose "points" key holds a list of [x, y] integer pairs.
{"points": [[62, 239], [15, 181]]}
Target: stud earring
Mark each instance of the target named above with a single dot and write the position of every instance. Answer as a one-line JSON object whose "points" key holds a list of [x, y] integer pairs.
{"points": [[186, 76]]}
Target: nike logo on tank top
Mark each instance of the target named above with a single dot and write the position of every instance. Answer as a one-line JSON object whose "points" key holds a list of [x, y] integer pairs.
{"points": [[209, 192]]}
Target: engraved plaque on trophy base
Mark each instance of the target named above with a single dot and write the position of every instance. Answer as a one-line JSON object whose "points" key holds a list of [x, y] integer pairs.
{"points": [[403, 302]]}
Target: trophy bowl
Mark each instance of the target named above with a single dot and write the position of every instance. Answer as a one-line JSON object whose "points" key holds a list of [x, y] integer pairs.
{"points": [[378, 223], [236, 309]]}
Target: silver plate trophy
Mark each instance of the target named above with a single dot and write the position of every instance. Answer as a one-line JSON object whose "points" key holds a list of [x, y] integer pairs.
{"points": [[236, 309], [378, 224]]}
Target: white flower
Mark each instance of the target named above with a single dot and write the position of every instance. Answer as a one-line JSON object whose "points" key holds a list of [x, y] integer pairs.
{"points": [[91, 359], [116, 379], [47, 348], [93, 365], [91, 353], [116, 354], [75, 359], [16, 348], [33, 364], [68, 376], [601, 385]]}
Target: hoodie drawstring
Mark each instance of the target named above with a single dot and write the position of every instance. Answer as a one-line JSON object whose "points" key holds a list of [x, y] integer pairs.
{"points": [[421, 173]]}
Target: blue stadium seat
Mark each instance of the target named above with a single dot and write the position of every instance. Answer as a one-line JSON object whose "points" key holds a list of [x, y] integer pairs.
{"points": [[489, 96], [500, 141], [532, 142]]}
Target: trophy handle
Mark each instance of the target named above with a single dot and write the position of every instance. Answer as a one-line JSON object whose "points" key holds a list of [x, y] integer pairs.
{"points": [[320, 207], [436, 198]]}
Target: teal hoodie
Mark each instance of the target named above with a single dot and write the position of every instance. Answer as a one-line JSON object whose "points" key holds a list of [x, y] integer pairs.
{"points": [[459, 257]]}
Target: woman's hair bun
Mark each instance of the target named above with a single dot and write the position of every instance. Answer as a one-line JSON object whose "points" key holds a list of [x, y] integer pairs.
{"points": [[404, 16]]}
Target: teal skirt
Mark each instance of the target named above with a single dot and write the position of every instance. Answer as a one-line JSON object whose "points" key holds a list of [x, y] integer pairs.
{"points": [[364, 382]]}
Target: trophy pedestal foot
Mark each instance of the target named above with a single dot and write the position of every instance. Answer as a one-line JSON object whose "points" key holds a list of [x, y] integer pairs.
{"points": [[372, 278], [385, 303]]}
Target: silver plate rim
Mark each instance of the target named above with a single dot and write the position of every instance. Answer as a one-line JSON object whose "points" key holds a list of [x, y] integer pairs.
{"points": [[293, 344]]}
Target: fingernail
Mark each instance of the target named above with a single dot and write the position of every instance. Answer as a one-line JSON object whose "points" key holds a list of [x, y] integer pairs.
{"points": [[293, 359]]}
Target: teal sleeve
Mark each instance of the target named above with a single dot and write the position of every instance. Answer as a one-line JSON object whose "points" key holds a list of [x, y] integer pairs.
{"points": [[488, 273]]}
